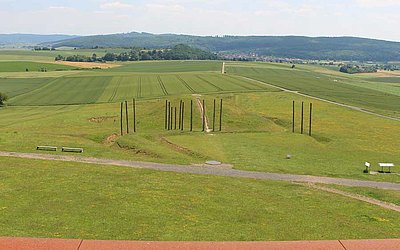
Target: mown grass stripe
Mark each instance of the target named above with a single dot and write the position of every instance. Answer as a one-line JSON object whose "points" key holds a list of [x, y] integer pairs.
{"points": [[186, 84], [210, 83], [164, 90]]}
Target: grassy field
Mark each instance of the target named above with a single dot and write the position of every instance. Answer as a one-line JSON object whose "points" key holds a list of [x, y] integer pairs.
{"points": [[32, 66], [106, 88], [256, 134], [80, 108], [69, 200], [333, 86]]}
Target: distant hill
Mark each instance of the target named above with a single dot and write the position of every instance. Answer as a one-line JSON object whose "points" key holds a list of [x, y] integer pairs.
{"points": [[31, 39], [331, 48]]}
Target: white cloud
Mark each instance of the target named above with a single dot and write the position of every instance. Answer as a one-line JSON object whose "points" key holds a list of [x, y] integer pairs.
{"points": [[115, 5], [165, 7]]}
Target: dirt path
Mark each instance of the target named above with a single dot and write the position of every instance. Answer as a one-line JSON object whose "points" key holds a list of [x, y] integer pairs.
{"points": [[323, 100], [201, 108], [370, 200], [208, 170]]}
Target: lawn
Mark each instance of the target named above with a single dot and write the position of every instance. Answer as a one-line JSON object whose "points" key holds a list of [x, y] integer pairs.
{"points": [[72, 200]]}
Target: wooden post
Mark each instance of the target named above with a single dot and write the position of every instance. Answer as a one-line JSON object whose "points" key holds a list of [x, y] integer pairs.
{"points": [[134, 114], [191, 115], [309, 129], [213, 124], [169, 115], [166, 114], [175, 118], [121, 120], [204, 116], [293, 118], [302, 118], [183, 116], [220, 116], [180, 114], [126, 117]]}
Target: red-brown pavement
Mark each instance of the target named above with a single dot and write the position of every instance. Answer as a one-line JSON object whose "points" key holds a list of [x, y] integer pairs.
{"points": [[10, 243], [371, 244]]}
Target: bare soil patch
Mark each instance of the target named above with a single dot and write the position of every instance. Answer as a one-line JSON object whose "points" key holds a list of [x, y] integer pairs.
{"points": [[101, 119], [89, 65]]}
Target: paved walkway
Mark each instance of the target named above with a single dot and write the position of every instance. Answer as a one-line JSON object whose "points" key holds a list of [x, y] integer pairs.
{"points": [[10, 243], [208, 170]]}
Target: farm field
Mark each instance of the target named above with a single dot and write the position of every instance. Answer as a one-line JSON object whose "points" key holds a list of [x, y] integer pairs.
{"points": [[32, 66], [98, 89], [81, 108], [381, 98], [95, 202]]}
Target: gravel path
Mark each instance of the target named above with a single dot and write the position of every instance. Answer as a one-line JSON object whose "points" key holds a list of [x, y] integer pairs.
{"points": [[208, 170]]}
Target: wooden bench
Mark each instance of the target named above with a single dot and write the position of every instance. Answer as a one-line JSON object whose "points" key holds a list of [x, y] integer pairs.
{"points": [[72, 150], [386, 165], [46, 148]]}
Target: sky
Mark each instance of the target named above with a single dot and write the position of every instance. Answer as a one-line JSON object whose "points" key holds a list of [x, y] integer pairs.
{"points": [[362, 18]]}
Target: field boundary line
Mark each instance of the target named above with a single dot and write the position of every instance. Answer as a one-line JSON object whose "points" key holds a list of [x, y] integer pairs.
{"points": [[370, 200], [324, 100], [208, 170]]}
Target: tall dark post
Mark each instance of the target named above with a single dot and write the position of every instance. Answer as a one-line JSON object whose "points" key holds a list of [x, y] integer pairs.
{"points": [[293, 118], [180, 114], [126, 117], [302, 118], [134, 115], [220, 116], [166, 113], [191, 115], [169, 115], [183, 116], [122, 131], [175, 118], [204, 116], [171, 110], [309, 131], [213, 124]]}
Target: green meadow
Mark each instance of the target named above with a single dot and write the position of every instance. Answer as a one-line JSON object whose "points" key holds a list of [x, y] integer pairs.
{"points": [[73, 200], [81, 108]]}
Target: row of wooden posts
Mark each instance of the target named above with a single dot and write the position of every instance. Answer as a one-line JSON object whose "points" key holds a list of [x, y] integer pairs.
{"points": [[127, 116], [302, 119], [172, 117]]}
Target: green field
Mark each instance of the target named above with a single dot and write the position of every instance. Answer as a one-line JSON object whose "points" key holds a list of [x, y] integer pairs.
{"points": [[70, 200], [339, 88], [100, 89], [82, 109], [32, 66]]}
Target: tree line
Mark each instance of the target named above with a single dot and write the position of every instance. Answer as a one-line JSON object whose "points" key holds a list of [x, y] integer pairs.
{"points": [[178, 52]]}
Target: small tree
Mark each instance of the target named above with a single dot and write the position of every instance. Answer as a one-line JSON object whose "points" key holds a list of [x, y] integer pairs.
{"points": [[3, 98]]}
